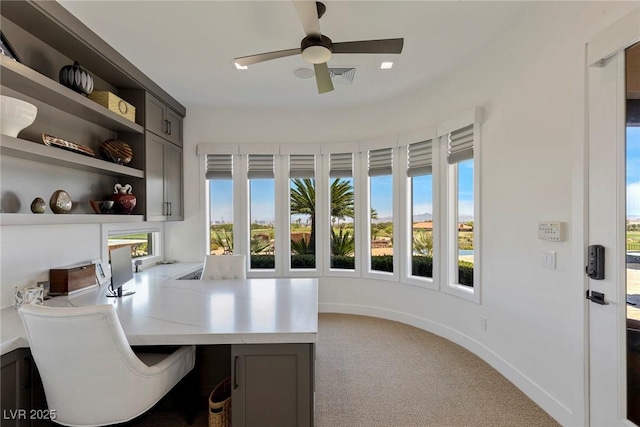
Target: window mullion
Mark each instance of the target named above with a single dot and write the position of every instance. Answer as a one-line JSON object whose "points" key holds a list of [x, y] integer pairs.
{"points": [[241, 220], [282, 215], [399, 221], [322, 212]]}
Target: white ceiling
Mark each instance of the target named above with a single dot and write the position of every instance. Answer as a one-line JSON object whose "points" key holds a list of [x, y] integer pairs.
{"points": [[187, 47]]}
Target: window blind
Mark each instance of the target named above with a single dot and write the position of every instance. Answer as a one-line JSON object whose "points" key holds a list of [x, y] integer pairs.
{"points": [[460, 145], [341, 165], [260, 166], [380, 162], [302, 166], [419, 158], [219, 166]]}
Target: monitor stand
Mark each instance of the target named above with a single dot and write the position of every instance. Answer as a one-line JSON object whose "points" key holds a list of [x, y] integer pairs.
{"points": [[119, 293]]}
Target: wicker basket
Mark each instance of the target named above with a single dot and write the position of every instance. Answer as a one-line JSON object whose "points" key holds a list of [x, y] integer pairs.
{"points": [[220, 404], [114, 103]]}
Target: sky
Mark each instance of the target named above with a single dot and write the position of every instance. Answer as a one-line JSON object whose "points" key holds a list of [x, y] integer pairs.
{"points": [[633, 171], [263, 194]]}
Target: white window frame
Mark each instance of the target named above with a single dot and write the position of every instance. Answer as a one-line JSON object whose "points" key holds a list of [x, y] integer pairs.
{"points": [[326, 211], [406, 267], [449, 209], [365, 214], [280, 245], [157, 235], [286, 217]]}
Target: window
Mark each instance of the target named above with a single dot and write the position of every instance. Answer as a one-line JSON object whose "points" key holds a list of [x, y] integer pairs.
{"points": [[420, 189], [262, 211], [142, 244], [381, 210], [461, 206], [219, 173], [302, 221], [341, 199]]}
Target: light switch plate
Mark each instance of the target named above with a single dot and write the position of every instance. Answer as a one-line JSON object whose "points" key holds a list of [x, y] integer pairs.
{"points": [[548, 259], [551, 231]]}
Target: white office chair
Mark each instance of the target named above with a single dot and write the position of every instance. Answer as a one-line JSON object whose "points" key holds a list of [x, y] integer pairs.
{"points": [[224, 267], [91, 376]]}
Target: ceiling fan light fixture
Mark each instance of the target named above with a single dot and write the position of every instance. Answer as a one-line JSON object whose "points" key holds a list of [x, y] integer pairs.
{"points": [[386, 65], [316, 50], [316, 54], [240, 67]]}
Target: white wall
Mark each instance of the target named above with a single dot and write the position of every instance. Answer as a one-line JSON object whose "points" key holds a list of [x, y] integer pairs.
{"points": [[531, 84]]}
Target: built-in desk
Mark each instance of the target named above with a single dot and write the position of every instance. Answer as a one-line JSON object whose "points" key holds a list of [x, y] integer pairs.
{"points": [[271, 325]]}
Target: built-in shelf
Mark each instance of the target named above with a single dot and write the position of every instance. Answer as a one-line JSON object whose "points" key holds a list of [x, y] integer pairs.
{"points": [[29, 150], [51, 218], [29, 82]]}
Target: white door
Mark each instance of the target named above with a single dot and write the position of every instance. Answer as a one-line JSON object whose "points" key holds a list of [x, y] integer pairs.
{"points": [[607, 191]]}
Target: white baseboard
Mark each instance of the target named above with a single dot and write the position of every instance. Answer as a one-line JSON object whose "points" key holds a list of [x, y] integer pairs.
{"points": [[552, 406]]}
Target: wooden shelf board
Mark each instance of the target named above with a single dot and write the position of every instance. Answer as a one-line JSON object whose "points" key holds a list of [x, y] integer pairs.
{"points": [[29, 150], [23, 79], [50, 218]]}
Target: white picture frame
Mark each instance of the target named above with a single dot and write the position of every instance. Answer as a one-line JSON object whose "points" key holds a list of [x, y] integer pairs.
{"points": [[101, 274]]}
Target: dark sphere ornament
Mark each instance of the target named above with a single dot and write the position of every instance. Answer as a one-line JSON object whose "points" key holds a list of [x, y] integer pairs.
{"points": [[76, 78]]}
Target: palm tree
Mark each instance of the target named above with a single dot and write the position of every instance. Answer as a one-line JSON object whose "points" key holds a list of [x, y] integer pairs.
{"points": [[303, 202], [343, 243], [423, 243]]}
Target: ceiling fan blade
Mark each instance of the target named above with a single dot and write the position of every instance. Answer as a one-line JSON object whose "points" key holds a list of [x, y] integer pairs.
{"points": [[308, 14], [261, 57], [323, 78], [370, 46]]}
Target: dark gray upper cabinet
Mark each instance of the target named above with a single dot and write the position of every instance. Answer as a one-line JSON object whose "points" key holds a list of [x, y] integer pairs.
{"points": [[164, 180], [163, 121]]}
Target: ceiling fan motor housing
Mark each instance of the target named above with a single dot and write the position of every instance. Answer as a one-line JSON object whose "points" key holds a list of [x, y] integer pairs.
{"points": [[316, 49]]}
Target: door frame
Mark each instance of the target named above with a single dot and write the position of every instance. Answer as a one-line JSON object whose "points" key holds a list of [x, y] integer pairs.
{"points": [[603, 47]]}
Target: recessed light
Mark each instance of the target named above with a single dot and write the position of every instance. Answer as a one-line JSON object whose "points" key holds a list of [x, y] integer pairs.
{"points": [[241, 67], [386, 65]]}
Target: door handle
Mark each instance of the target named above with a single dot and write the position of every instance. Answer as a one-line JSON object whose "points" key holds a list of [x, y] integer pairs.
{"points": [[235, 372], [169, 127], [170, 209], [597, 297]]}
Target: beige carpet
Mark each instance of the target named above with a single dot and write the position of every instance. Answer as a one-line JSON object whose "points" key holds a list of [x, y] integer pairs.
{"points": [[373, 372]]}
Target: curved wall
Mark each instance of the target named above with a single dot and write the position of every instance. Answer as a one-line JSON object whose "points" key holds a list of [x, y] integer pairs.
{"points": [[531, 85]]}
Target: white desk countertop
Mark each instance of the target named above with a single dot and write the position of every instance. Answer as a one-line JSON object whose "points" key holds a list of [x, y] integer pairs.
{"points": [[166, 311]]}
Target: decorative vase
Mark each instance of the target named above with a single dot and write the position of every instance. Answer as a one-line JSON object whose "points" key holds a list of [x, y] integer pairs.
{"points": [[116, 151], [16, 115], [38, 206], [124, 201], [76, 78], [60, 202]]}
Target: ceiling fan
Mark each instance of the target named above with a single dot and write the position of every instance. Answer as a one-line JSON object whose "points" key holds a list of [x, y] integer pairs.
{"points": [[317, 48]]}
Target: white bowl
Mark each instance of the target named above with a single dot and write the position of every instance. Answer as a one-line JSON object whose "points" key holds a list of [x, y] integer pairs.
{"points": [[15, 115]]}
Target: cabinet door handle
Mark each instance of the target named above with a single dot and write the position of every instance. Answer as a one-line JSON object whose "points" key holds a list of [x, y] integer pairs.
{"points": [[166, 208], [170, 209], [165, 126], [169, 127], [235, 372]]}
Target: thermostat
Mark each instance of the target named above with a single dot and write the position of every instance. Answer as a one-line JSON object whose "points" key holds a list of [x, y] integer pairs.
{"points": [[551, 230]]}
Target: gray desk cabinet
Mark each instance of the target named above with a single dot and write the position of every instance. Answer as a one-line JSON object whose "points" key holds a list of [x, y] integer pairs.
{"points": [[163, 162], [16, 388], [272, 385], [163, 121]]}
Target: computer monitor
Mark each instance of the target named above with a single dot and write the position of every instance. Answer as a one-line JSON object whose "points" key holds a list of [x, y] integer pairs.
{"points": [[121, 270]]}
